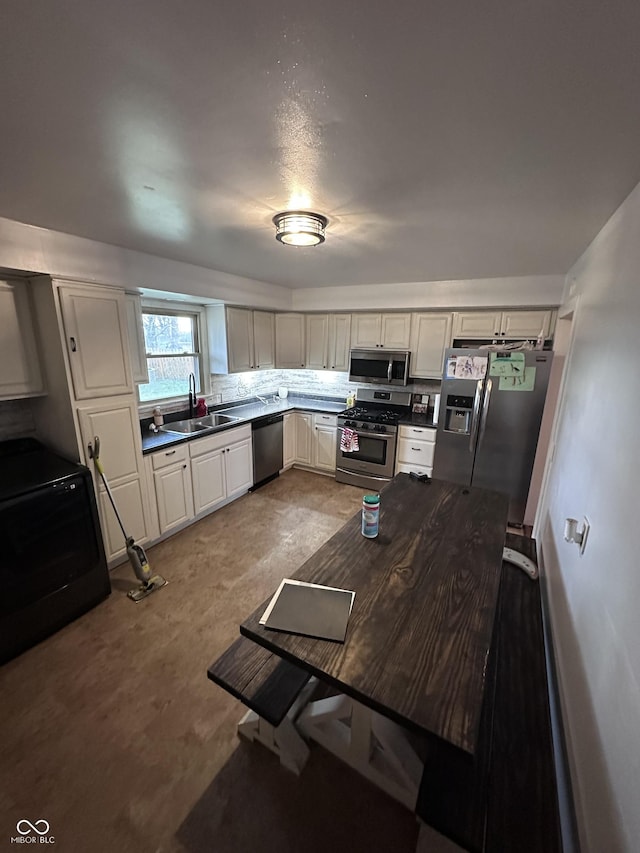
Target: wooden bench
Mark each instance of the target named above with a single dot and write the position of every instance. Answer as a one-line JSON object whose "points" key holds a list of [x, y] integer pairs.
{"points": [[505, 798], [274, 691]]}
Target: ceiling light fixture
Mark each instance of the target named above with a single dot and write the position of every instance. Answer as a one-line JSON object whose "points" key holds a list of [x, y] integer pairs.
{"points": [[299, 228]]}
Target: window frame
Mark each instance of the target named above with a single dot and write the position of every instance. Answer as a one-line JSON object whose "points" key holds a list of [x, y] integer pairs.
{"points": [[198, 315]]}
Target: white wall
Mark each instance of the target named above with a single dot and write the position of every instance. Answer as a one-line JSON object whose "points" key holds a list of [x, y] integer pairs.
{"points": [[39, 250], [516, 292], [595, 598], [25, 247]]}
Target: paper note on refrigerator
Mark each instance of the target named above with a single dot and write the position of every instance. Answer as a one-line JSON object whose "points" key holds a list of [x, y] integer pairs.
{"points": [[506, 364], [519, 383], [466, 367]]}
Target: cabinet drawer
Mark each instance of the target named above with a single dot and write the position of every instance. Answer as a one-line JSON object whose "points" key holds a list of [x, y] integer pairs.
{"points": [[220, 439], [169, 457], [326, 420], [415, 451], [419, 433]]}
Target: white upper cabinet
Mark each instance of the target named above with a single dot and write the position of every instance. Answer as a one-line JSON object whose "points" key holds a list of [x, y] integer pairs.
{"points": [[366, 330], [526, 324], [137, 351], [317, 341], [339, 341], [477, 324], [390, 331], [95, 325], [264, 340], [506, 324], [430, 336], [20, 374], [396, 330], [290, 341], [240, 339], [328, 341]]}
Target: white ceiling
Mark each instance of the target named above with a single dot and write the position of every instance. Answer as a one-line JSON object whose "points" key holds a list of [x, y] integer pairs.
{"points": [[444, 139]]}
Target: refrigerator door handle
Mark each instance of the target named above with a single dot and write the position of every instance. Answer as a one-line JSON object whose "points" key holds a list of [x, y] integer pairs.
{"points": [[485, 409], [474, 417]]}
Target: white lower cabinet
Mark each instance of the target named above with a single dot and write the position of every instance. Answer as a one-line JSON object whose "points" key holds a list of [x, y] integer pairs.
{"points": [[130, 499], [208, 476], [221, 467], [198, 476], [325, 428], [289, 440], [116, 424], [304, 438], [172, 485], [310, 440], [238, 467], [416, 446]]}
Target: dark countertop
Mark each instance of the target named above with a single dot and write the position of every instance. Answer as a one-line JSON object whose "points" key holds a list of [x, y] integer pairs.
{"points": [[245, 412], [414, 419]]}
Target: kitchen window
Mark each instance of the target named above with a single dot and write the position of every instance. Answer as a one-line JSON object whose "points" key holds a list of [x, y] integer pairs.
{"points": [[172, 346]]}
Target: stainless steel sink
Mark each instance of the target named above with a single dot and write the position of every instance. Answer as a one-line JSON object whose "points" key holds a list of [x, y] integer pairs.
{"points": [[190, 426]]}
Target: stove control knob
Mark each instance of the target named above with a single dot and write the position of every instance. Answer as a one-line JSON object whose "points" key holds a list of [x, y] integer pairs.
{"points": [[364, 426], [381, 429]]}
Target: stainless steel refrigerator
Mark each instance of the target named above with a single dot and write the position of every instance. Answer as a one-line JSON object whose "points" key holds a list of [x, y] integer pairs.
{"points": [[490, 412]]}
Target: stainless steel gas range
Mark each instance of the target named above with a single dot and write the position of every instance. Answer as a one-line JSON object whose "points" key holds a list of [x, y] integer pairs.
{"points": [[374, 421]]}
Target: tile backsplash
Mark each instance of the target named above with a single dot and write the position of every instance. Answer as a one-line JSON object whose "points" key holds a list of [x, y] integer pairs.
{"points": [[324, 383], [16, 419]]}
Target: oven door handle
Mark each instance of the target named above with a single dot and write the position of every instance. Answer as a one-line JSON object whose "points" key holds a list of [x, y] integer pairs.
{"points": [[365, 433]]}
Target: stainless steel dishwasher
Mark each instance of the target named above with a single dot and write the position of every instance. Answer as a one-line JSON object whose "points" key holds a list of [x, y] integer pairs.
{"points": [[266, 433]]}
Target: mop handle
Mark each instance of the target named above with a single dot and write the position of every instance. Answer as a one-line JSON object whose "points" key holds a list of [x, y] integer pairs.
{"points": [[94, 453]]}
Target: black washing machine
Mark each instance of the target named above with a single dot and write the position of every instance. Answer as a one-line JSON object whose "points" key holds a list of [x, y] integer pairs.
{"points": [[52, 560]]}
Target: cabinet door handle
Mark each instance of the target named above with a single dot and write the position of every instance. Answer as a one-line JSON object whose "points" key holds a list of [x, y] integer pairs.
{"points": [[72, 341], [169, 453], [418, 449], [184, 466]]}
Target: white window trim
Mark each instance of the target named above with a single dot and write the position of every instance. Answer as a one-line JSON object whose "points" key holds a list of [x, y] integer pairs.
{"points": [[174, 306]]}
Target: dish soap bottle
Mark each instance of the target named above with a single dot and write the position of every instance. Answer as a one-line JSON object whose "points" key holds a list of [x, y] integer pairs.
{"points": [[351, 400]]}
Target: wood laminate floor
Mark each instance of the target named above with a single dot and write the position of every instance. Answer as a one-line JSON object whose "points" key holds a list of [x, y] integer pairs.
{"points": [[113, 734]]}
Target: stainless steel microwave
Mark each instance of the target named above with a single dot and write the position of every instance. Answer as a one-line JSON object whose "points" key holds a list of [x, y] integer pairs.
{"points": [[383, 367]]}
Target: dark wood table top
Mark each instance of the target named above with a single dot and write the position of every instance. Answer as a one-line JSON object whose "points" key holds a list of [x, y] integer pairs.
{"points": [[426, 589]]}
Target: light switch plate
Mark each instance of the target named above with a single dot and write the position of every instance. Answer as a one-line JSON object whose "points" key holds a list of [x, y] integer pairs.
{"points": [[586, 527]]}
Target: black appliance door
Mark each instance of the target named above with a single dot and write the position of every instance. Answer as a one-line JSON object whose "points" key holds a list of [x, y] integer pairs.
{"points": [[369, 367], [47, 541], [376, 455]]}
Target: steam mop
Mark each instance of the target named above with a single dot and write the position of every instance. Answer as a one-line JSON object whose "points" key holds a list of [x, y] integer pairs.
{"points": [[139, 563]]}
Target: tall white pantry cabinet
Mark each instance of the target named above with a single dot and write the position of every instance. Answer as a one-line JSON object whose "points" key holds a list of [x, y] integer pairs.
{"points": [[85, 347]]}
